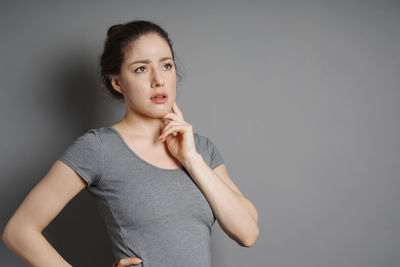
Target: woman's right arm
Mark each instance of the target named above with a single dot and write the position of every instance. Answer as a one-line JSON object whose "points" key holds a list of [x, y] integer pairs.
{"points": [[23, 232]]}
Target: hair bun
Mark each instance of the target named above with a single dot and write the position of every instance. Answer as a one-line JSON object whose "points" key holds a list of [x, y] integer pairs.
{"points": [[113, 29]]}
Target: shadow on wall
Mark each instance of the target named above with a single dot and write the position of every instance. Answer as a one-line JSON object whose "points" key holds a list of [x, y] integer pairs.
{"points": [[78, 233], [69, 93], [74, 90]]}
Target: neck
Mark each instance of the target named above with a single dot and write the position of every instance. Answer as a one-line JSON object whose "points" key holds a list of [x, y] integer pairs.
{"points": [[143, 126]]}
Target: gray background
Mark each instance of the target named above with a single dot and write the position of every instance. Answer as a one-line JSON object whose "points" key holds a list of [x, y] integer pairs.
{"points": [[301, 98]]}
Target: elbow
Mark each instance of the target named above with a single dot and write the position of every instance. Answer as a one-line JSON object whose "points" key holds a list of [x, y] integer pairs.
{"points": [[250, 241], [16, 233], [5, 236], [11, 234]]}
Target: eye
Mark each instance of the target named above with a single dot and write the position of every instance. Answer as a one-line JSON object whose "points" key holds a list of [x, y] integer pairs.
{"points": [[140, 68], [168, 64]]}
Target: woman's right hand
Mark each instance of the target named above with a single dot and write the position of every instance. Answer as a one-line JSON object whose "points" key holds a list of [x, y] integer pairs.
{"points": [[127, 262]]}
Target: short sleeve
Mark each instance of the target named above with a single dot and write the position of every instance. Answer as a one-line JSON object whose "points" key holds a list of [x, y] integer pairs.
{"points": [[85, 156], [215, 156]]}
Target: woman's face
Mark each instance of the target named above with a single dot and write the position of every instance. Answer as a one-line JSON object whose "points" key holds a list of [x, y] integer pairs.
{"points": [[148, 68]]}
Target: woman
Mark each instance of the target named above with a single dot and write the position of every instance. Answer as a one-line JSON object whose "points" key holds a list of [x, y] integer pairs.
{"points": [[158, 185]]}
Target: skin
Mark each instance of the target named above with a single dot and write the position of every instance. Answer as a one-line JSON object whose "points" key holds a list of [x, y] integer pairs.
{"points": [[154, 127]]}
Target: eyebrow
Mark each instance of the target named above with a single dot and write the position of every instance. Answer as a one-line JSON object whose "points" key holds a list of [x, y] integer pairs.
{"points": [[148, 60]]}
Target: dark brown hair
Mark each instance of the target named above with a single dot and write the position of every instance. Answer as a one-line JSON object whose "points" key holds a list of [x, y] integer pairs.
{"points": [[119, 36]]}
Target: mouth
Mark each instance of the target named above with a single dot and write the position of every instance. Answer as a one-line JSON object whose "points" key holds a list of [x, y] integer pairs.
{"points": [[159, 95], [159, 98]]}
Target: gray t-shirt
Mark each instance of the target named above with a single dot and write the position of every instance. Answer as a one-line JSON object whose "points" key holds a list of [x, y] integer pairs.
{"points": [[159, 215]]}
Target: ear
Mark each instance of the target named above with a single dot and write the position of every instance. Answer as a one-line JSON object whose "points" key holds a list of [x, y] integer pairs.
{"points": [[114, 80]]}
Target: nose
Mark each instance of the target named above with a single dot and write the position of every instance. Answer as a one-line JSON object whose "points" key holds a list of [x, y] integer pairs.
{"points": [[157, 79]]}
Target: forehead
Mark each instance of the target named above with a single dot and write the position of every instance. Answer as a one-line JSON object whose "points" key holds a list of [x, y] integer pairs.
{"points": [[147, 46]]}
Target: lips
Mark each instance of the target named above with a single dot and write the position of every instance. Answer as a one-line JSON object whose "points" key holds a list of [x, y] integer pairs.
{"points": [[163, 94]]}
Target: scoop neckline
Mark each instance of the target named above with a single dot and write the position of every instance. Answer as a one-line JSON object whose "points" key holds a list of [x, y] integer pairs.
{"points": [[141, 159]]}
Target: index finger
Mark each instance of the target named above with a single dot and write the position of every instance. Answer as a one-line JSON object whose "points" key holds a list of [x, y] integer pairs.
{"points": [[177, 110]]}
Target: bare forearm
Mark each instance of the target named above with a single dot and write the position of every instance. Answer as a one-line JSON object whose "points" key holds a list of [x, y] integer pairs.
{"points": [[235, 214], [34, 249], [251, 208]]}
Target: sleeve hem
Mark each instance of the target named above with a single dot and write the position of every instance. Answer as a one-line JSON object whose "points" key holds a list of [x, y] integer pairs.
{"points": [[78, 170], [216, 164]]}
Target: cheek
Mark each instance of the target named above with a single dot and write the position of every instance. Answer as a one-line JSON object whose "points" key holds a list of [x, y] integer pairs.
{"points": [[138, 94], [172, 79], [135, 86]]}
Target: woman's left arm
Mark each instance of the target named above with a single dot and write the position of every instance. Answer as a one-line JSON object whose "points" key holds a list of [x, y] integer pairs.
{"points": [[236, 215]]}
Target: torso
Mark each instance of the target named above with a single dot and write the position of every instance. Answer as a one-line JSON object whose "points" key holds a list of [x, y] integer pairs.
{"points": [[155, 154], [158, 215]]}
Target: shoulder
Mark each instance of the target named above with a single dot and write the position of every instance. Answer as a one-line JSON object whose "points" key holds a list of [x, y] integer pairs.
{"points": [[200, 139], [92, 138], [209, 151], [204, 143], [100, 133]]}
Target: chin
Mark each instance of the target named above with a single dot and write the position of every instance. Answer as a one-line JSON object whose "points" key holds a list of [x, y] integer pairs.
{"points": [[157, 114]]}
